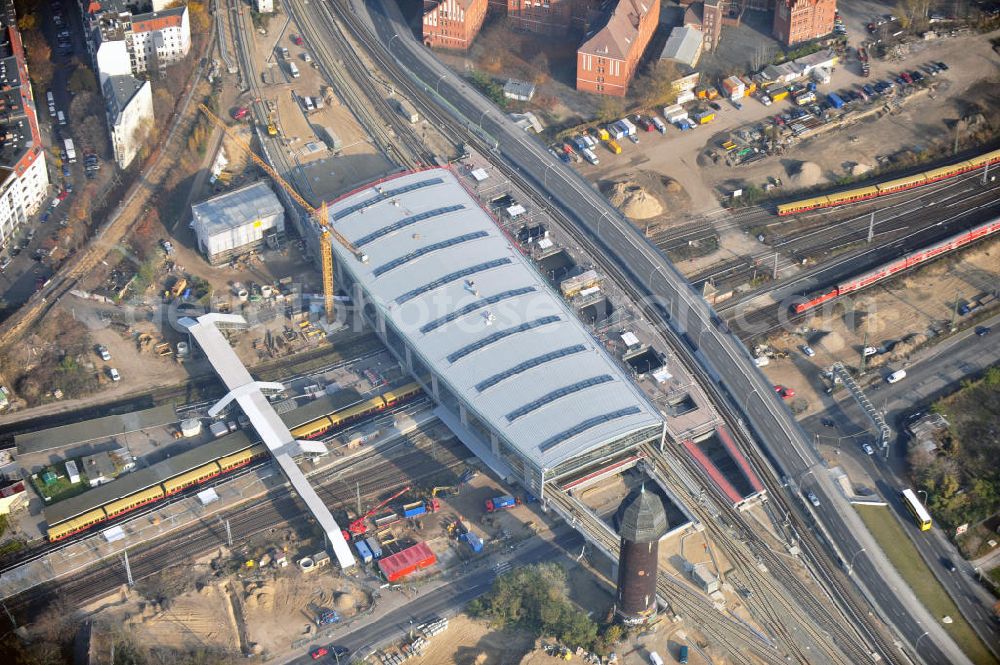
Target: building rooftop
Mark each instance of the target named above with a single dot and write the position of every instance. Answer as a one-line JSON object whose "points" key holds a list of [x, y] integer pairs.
{"points": [[683, 45], [236, 208], [516, 88], [167, 18], [89, 430], [643, 518], [119, 90], [476, 310], [155, 474], [20, 141], [614, 37]]}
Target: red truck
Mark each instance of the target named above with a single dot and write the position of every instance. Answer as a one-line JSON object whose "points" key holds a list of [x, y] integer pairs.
{"points": [[240, 113]]}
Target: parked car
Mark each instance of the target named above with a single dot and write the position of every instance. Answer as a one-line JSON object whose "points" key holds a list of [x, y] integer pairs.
{"points": [[868, 449], [808, 350], [297, 40], [948, 564], [102, 351], [319, 653], [813, 499], [983, 331], [783, 391], [940, 65], [113, 373], [715, 106]]}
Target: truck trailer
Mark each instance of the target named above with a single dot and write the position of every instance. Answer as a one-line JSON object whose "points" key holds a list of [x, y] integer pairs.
{"points": [[70, 151], [500, 503]]}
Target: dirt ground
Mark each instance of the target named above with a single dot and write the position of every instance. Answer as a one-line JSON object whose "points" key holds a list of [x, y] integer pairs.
{"points": [[198, 619], [906, 311], [920, 125], [471, 642], [285, 609]]}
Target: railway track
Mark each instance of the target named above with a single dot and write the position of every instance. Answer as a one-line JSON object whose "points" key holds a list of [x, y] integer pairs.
{"points": [[430, 110], [778, 584], [109, 236], [737, 638], [281, 507]]}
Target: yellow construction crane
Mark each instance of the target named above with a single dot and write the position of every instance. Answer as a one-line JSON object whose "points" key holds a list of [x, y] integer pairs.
{"points": [[319, 216]]}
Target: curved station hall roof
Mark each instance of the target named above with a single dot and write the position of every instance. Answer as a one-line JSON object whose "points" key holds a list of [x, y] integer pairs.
{"points": [[480, 316]]}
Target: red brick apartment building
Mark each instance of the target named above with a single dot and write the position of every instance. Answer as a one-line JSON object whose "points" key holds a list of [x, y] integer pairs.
{"points": [[801, 20], [452, 24], [607, 60], [546, 17]]}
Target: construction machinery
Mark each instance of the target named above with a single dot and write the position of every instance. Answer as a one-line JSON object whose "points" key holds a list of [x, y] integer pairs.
{"points": [[435, 505], [320, 216], [359, 527]]}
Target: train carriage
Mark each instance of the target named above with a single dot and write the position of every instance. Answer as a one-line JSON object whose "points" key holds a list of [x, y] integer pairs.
{"points": [[853, 196], [312, 429], [185, 480], [802, 206], [242, 458], [949, 171], [76, 524], [402, 394], [133, 501], [901, 184], [349, 415]]}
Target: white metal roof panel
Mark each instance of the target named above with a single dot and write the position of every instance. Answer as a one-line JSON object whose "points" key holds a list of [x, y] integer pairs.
{"points": [[473, 307]]}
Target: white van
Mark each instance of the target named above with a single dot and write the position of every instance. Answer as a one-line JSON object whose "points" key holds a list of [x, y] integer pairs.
{"points": [[62, 118], [896, 376], [52, 103], [655, 659], [293, 69]]}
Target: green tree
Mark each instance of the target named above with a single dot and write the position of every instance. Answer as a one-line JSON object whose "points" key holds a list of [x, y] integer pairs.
{"points": [[655, 86], [82, 80]]}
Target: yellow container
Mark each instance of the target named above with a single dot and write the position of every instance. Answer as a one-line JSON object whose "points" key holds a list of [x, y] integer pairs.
{"points": [[614, 147]]}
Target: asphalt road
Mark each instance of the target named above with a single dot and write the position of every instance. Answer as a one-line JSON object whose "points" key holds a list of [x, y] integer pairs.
{"points": [[443, 600], [935, 373], [721, 354]]}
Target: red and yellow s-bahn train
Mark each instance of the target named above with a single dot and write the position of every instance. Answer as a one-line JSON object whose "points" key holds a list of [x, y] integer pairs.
{"points": [[200, 465], [890, 187], [905, 262]]}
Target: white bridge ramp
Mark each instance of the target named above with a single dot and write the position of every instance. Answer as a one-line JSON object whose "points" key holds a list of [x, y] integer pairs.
{"points": [[248, 394]]}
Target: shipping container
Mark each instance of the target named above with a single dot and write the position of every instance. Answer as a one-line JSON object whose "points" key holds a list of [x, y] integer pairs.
{"points": [[396, 566], [778, 95], [805, 98], [364, 553], [414, 509], [682, 656], [703, 117], [603, 133], [614, 147], [500, 503], [628, 126], [374, 547], [835, 100]]}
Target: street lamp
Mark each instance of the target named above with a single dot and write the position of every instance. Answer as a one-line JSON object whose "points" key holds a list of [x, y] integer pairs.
{"points": [[916, 644], [924, 492], [850, 566]]}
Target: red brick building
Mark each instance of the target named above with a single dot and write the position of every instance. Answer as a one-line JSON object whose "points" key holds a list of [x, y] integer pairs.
{"points": [[452, 24], [801, 20], [608, 58], [548, 17]]}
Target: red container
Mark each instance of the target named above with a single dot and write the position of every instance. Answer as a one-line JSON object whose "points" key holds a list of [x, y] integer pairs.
{"points": [[401, 564]]}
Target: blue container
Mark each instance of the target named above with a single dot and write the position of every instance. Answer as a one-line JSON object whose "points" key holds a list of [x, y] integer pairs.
{"points": [[364, 553], [474, 541]]}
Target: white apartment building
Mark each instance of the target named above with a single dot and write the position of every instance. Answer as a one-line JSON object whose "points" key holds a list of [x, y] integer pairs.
{"points": [[24, 179], [158, 39], [130, 112]]}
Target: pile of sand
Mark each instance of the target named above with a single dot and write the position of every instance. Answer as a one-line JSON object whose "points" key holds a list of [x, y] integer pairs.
{"points": [[860, 169], [807, 175], [634, 201], [343, 602]]}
